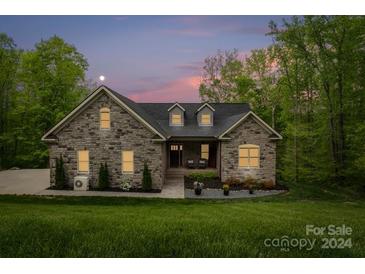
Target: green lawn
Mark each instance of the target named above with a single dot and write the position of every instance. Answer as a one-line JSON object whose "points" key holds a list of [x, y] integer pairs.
{"points": [[129, 227]]}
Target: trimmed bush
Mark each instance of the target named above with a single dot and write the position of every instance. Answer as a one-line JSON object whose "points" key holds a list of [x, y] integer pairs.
{"points": [[103, 182], [249, 182], [202, 176], [233, 181], [60, 173], [269, 184], [147, 178]]}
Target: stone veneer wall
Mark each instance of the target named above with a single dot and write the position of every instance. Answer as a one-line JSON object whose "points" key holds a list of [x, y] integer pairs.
{"points": [[125, 133], [249, 132]]}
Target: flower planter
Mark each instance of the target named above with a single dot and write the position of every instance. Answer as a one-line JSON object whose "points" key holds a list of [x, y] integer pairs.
{"points": [[198, 191], [225, 192]]}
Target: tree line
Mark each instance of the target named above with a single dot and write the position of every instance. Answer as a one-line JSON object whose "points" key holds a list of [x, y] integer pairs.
{"points": [[38, 87], [309, 84]]}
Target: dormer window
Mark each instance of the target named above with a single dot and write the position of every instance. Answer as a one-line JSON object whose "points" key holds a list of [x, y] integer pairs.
{"points": [[176, 115], [205, 115], [176, 119], [205, 119]]}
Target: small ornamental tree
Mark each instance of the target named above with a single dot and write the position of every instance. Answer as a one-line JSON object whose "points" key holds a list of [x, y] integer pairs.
{"points": [[147, 179], [106, 175], [103, 176], [60, 173]]}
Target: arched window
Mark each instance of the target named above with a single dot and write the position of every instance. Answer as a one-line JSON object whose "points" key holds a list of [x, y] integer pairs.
{"points": [[249, 156], [105, 118]]}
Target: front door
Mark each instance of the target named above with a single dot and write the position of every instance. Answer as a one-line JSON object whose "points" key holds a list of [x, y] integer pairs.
{"points": [[176, 151]]}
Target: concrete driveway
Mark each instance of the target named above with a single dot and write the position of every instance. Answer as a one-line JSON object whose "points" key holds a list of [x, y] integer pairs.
{"points": [[24, 181], [35, 182]]}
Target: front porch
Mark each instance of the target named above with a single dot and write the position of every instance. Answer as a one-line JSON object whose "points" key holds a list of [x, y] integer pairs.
{"points": [[170, 172], [187, 156]]}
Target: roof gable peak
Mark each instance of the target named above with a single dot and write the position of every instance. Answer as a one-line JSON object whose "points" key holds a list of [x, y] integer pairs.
{"points": [[203, 106], [176, 105]]}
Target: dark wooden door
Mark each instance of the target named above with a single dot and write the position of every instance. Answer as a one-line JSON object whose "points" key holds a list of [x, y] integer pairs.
{"points": [[176, 159]]}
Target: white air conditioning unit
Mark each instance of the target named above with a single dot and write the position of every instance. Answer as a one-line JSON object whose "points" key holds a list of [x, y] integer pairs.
{"points": [[81, 183]]}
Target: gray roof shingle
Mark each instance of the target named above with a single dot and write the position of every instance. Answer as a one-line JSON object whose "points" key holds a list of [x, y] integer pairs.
{"points": [[157, 115], [225, 115]]}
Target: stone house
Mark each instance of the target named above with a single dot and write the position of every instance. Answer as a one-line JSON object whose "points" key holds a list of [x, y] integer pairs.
{"points": [[110, 128]]}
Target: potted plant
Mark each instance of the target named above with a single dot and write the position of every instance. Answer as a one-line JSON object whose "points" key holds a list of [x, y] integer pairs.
{"points": [[226, 189], [198, 187], [250, 189]]}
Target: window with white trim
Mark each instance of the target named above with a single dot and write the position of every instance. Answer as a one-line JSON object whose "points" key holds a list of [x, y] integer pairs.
{"points": [[105, 118], [127, 161], [249, 156], [83, 161]]}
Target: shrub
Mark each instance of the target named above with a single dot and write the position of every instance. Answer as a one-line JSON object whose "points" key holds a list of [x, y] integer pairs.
{"points": [[147, 178], [103, 176], [202, 176], [268, 184], [126, 185], [249, 182], [226, 187], [60, 173], [232, 181]]}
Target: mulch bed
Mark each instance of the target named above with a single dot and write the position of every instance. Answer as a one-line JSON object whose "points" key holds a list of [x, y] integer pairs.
{"points": [[216, 183], [211, 183], [111, 189], [63, 188], [116, 189]]}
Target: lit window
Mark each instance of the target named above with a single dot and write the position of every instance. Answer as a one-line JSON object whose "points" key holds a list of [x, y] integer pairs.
{"points": [[176, 119], [105, 118], [204, 151], [205, 120], [83, 161], [249, 156], [127, 161]]}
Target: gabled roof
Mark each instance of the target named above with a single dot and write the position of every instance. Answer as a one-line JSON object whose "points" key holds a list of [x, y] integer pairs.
{"points": [[176, 105], [155, 117], [205, 105], [274, 134], [130, 106], [225, 115]]}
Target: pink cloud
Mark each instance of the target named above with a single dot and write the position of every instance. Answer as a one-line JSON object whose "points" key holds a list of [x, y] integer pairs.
{"points": [[181, 90]]}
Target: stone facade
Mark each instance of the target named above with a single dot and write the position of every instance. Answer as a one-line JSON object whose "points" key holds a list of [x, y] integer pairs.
{"points": [[106, 145], [248, 132]]}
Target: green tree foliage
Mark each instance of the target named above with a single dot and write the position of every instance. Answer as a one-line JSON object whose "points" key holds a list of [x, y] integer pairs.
{"points": [[224, 79], [308, 84], [49, 84], [322, 58], [9, 62], [147, 178]]}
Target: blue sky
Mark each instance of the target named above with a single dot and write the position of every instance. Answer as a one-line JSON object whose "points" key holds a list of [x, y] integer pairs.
{"points": [[147, 58]]}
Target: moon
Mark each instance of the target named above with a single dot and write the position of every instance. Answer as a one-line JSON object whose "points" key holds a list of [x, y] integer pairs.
{"points": [[101, 77]]}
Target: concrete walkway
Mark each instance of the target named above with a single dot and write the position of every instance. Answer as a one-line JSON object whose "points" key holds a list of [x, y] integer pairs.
{"points": [[24, 181]]}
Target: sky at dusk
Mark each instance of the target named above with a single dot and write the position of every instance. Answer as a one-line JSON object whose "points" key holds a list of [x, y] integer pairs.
{"points": [[147, 58]]}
